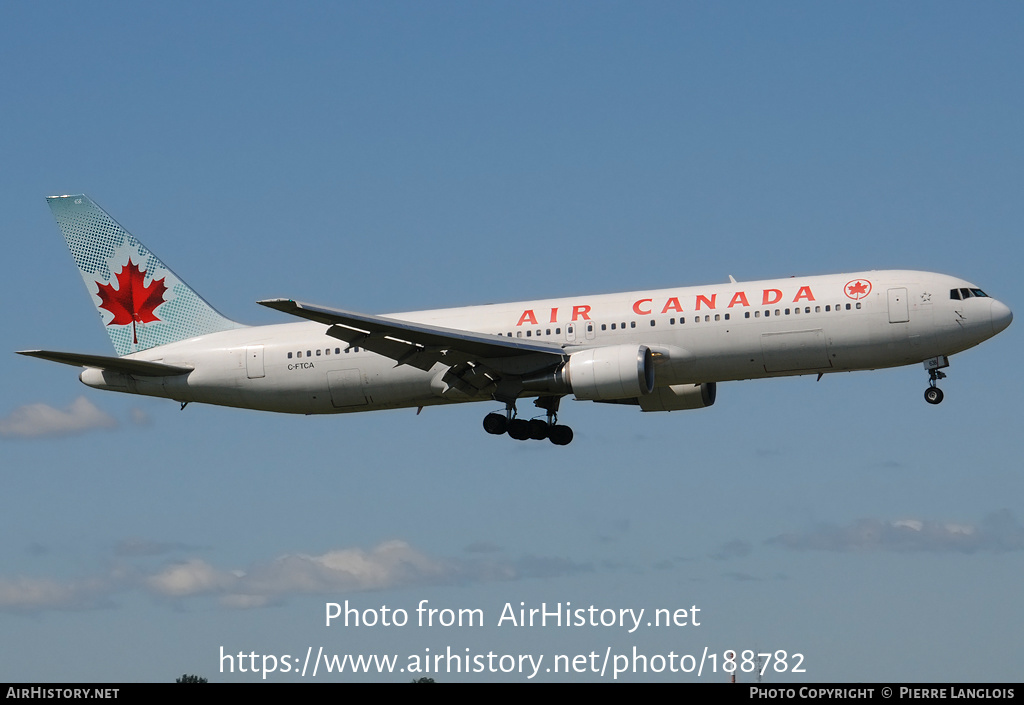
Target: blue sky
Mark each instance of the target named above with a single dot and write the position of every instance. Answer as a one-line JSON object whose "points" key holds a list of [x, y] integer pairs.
{"points": [[392, 156]]}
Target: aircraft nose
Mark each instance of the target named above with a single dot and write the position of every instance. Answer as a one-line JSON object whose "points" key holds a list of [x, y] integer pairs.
{"points": [[1001, 316]]}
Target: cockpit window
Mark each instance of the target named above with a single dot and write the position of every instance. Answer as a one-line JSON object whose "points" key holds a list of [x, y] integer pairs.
{"points": [[961, 294]]}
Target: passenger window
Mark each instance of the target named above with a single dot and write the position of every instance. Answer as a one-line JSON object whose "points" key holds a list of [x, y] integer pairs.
{"points": [[300, 353], [337, 351], [652, 323], [847, 307], [727, 316], [289, 356], [318, 353], [746, 314], [613, 326], [858, 304], [718, 317]]}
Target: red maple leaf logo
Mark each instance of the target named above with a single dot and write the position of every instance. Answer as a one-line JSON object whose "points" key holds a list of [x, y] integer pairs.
{"points": [[858, 288], [132, 301]]}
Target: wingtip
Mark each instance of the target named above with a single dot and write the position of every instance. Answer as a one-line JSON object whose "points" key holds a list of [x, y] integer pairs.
{"points": [[277, 303]]}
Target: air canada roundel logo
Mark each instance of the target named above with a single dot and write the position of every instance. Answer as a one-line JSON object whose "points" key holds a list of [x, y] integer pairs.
{"points": [[857, 289]]}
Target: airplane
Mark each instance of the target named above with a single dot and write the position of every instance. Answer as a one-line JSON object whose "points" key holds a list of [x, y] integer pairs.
{"points": [[659, 350]]}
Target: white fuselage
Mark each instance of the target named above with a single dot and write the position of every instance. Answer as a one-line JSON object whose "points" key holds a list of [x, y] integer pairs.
{"points": [[714, 333]]}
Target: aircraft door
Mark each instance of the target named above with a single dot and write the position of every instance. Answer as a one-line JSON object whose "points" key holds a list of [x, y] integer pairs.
{"points": [[570, 332], [254, 362], [346, 388], [899, 306], [793, 351]]}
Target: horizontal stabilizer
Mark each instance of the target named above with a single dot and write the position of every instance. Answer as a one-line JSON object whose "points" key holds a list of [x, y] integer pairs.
{"points": [[114, 364]]}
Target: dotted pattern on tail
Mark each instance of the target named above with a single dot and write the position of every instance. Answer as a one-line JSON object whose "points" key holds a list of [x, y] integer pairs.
{"points": [[101, 248]]}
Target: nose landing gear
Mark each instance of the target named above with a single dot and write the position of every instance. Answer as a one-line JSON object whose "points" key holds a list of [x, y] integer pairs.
{"points": [[933, 395]]}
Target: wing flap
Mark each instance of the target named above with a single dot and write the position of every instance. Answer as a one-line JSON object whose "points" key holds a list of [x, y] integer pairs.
{"points": [[401, 351], [115, 364]]}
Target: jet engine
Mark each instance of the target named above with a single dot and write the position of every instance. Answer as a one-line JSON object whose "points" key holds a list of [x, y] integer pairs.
{"points": [[600, 374], [616, 372], [678, 397]]}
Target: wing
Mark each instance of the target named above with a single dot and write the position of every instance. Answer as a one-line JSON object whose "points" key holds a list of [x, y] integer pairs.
{"points": [[478, 364]]}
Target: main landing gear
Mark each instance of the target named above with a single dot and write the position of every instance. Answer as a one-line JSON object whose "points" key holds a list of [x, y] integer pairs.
{"points": [[933, 395], [535, 429]]}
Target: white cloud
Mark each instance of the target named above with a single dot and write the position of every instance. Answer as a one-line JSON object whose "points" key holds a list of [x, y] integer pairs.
{"points": [[35, 420], [998, 532], [32, 594], [192, 577], [392, 564]]}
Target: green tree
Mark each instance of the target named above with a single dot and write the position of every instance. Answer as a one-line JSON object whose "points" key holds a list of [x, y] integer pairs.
{"points": [[188, 678]]}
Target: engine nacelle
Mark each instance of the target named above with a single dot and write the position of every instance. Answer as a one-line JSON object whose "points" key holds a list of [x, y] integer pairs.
{"points": [[679, 397], [616, 372]]}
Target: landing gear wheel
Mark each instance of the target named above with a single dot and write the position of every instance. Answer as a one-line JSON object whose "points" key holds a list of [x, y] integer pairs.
{"points": [[538, 429], [560, 435], [933, 395], [495, 424], [519, 429]]}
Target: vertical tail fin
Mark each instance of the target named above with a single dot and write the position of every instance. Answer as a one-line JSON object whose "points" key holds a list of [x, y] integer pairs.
{"points": [[141, 302]]}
